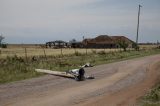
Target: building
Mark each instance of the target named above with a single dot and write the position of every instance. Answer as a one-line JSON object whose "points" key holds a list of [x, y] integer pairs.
{"points": [[57, 44], [105, 41], [118, 39], [101, 41]]}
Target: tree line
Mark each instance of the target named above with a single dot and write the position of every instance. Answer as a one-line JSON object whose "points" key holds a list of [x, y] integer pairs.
{"points": [[2, 44]]}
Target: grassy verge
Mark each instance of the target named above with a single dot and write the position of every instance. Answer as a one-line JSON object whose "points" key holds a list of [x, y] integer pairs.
{"points": [[17, 68], [152, 98]]}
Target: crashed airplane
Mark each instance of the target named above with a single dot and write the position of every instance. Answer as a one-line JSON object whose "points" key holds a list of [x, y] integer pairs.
{"points": [[77, 74]]}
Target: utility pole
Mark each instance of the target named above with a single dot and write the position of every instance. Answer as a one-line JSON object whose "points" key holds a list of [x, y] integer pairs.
{"points": [[139, 10]]}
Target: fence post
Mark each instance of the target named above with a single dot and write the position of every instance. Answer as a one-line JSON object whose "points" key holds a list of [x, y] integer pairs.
{"points": [[0, 51], [86, 51], [26, 54], [61, 52], [75, 50], [45, 53]]}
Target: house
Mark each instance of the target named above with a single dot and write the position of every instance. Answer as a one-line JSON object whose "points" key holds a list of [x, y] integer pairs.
{"points": [[102, 41], [118, 39], [105, 41]]}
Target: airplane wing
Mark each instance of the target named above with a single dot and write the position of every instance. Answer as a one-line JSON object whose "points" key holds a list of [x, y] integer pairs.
{"points": [[56, 73]]}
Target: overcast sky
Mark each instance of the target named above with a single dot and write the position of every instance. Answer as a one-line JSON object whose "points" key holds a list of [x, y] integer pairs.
{"points": [[38, 21]]}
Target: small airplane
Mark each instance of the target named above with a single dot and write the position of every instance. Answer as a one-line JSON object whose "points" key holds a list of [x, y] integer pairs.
{"points": [[77, 74]]}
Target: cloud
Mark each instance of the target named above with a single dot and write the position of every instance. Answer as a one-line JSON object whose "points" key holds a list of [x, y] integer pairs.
{"points": [[56, 19]]}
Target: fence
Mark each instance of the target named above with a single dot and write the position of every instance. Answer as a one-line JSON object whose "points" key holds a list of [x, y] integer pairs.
{"points": [[30, 52]]}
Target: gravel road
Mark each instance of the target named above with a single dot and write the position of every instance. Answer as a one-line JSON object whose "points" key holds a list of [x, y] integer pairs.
{"points": [[115, 84]]}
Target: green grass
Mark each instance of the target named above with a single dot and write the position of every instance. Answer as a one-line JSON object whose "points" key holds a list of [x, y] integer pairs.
{"points": [[152, 98], [18, 68]]}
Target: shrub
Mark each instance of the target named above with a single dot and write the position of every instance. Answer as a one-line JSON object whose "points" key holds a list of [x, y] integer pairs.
{"points": [[153, 95], [78, 54], [3, 45], [123, 44], [94, 51], [135, 46], [101, 52]]}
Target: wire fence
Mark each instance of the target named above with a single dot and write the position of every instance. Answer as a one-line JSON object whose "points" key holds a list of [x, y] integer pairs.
{"points": [[30, 52], [26, 52]]}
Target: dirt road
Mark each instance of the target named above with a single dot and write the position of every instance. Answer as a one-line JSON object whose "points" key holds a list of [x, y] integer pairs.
{"points": [[115, 84]]}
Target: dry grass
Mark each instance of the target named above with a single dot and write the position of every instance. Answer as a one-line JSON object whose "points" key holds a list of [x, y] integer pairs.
{"points": [[16, 68], [37, 50], [147, 46], [20, 52]]}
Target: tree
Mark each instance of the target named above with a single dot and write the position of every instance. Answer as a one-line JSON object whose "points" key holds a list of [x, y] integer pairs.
{"points": [[3, 45], [73, 41], [135, 46], [123, 44], [1, 39]]}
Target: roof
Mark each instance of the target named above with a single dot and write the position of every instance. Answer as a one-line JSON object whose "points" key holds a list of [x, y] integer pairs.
{"points": [[102, 39], [121, 38], [105, 39]]}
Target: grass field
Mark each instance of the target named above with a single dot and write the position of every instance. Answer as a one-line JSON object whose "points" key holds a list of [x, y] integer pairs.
{"points": [[17, 62], [148, 46], [15, 67], [20, 52], [37, 50]]}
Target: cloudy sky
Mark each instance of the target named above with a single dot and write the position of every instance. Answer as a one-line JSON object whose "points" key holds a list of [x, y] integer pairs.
{"points": [[38, 21]]}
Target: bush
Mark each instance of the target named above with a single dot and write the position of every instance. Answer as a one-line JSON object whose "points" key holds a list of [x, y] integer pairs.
{"points": [[101, 52], [123, 44], [3, 45], [77, 53], [135, 46], [94, 51], [153, 95]]}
